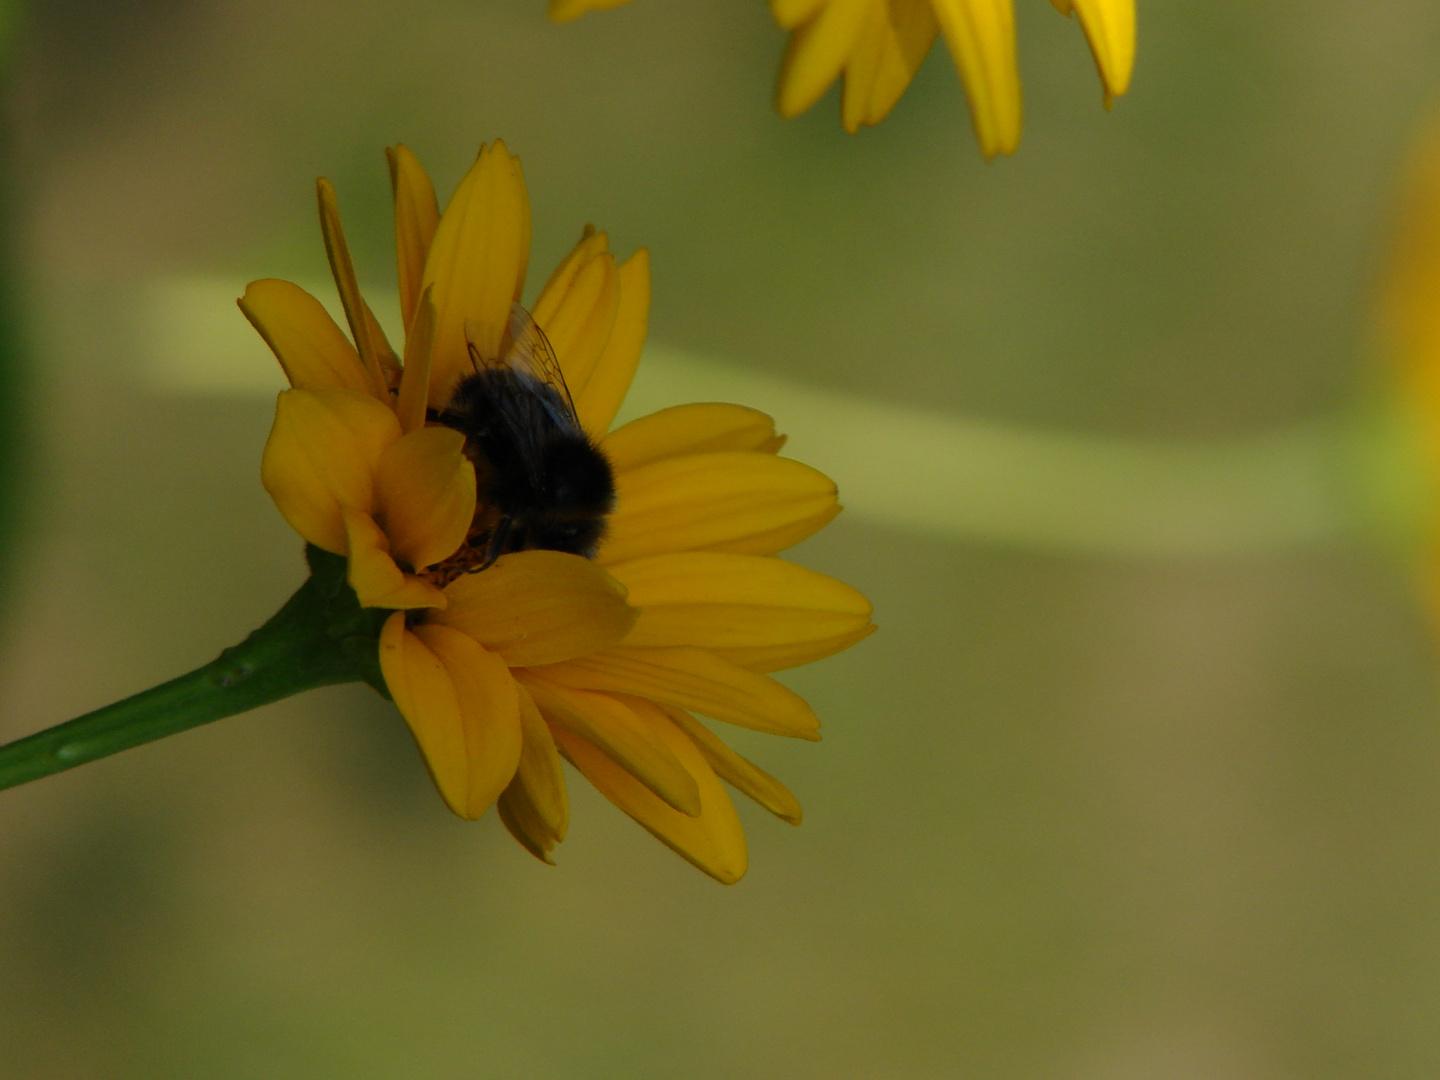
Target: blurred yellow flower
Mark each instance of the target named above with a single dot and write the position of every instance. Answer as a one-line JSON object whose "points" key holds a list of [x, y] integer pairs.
{"points": [[501, 670], [878, 46]]}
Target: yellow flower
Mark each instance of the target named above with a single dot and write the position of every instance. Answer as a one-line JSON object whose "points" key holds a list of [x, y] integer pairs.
{"points": [[501, 670], [878, 46]]}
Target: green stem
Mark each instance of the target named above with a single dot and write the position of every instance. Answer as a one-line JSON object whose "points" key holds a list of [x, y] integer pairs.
{"points": [[320, 637]]}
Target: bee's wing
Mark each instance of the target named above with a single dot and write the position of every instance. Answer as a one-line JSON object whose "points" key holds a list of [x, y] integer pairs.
{"points": [[528, 351]]}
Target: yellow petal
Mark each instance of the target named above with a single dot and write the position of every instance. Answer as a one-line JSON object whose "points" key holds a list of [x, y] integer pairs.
{"points": [[425, 495], [540, 607], [535, 807], [687, 429], [897, 36], [621, 732], [591, 244], [416, 217], [692, 679], [489, 705], [366, 332], [477, 261], [414, 396], [609, 382], [372, 572], [321, 456], [1109, 27], [425, 695], [312, 350], [765, 658], [817, 51], [563, 11], [744, 776], [714, 841], [791, 13], [981, 38], [732, 500], [716, 601], [580, 324]]}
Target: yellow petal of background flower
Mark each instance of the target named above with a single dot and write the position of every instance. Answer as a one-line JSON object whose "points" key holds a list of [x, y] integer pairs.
{"points": [[742, 775], [699, 428], [372, 572], [321, 456], [580, 318], [477, 261], [714, 600], [313, 352], [893, 44], [425, 495], [425, 695], [745, 502], [540, 607], [1109, 27], [535, 807], [692, 679], [817, 51], [375, 352], [714, 841], [791, 13], [416, 217], [620, 731], [765, 658], [489, 705], [981, 38], [562, 11], [609, 382]]}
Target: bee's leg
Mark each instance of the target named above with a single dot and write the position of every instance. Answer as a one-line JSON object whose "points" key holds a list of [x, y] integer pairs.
{"points": [[498, 539]]}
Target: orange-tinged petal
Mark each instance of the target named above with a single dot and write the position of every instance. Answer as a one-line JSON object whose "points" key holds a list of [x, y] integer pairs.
{"points": [[714, 501], [369, 338], [1109, 27], [425, 495], [716, 600], [540, 607], [535, 807], [372, 572], [699, 428], [620, 731], [981, 38], [817, 51], [321, 456], [692, 679], [609, 382], [489, 705], [313, 352], [477, 261], [425, 694], [897, 36], [581, 323], [766, 658], [414, 395], [714, 841], [416, 216], [744, 776]]}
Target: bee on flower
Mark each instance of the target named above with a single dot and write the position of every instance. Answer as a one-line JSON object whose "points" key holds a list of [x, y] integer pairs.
{"points": [[558, 589]]}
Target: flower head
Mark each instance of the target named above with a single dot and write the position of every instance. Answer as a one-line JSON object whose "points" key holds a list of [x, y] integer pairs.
{"points": [[502, 668], [879, 45]]}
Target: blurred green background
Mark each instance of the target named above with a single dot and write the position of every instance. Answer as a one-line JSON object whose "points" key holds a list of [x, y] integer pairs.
{"points": [[1075, 817]]}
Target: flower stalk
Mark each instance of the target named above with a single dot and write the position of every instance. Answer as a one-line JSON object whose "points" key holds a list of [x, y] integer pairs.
{"points": [[321, 637]]}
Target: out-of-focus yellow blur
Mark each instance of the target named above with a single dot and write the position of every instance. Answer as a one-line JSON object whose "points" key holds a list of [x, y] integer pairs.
{"points": [[1076, 817]]}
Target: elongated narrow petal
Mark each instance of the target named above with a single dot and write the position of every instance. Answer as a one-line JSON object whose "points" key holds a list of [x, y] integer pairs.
{"points": [[373, 573], [618, 729], [414, 395], [791, 13], [744, 776], [416, 217], [477, 261], [609, 382], [313, 352], [894, 43], [981, 38], [1110, 29], [364, 330], [321, 457], [692, 679], [540, 607], [425, 695], [700, 428], [489, 705], [590, 244], [734, 501], [767, 658], [580, 324], [535, 807], [715, 600], [817, 52], [713, 841], [425, 495]]}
